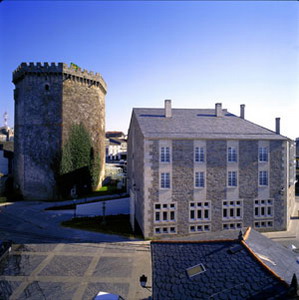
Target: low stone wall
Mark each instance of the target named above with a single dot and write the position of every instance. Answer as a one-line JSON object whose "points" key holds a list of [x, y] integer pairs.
{"points": [[113, 207]]}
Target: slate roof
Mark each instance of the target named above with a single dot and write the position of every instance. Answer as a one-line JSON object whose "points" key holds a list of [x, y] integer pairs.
{"points": [[239, 275], [199, 123]]}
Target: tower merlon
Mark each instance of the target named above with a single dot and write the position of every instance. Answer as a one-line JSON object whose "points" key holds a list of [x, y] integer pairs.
{"points": [[63, 68]]}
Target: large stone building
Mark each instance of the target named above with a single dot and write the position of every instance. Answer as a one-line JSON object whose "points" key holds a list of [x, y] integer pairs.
{"points": [[196, 170], [49, 99]]}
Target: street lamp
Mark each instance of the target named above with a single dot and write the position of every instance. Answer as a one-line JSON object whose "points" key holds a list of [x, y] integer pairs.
{"points": [[143, 280], [104, 213]]}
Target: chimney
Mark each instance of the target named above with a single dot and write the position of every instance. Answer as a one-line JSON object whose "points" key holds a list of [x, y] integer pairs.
{"points": [[168, 112], [242, 111], [277, 127], [218, 110]]}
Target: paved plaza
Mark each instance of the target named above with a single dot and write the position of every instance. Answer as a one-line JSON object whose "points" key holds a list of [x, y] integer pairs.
{"points": [[75, 271]]}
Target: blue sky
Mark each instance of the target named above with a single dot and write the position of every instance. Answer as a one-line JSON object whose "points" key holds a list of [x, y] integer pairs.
{"points": [[196, 53]]}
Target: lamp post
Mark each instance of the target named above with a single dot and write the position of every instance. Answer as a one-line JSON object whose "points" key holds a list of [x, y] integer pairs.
{"points": [[103, 213]]}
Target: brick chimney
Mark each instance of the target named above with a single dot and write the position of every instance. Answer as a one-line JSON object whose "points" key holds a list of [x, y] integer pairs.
{"points": [[218, 109], [242, 111], [277, 125], [167, 105]]}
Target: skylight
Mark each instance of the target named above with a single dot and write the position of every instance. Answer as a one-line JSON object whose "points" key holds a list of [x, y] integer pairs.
{"points": [[195, 270]]}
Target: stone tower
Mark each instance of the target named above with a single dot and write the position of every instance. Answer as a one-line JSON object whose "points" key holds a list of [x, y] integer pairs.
{"points": [[49, 99]]}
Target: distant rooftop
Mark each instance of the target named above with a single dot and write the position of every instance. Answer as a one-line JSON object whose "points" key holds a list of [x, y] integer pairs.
{"points": [[199, 123], [253, 268]]}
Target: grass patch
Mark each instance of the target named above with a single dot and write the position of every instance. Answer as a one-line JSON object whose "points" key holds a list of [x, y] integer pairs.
{"points": [[119, 224], [3, 199]]}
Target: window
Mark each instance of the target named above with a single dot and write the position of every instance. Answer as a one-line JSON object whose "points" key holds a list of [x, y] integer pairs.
{"points": [[165, 154], [232, 178], [263, 208], [232, 210], [263, 178], [199, 179], [165, 230], [47, 87], [199, 211], [263, 224], [263, 154], [199, 154], [165, 180], [199, 228], [164, 213], [231, 226], [231, 154]]}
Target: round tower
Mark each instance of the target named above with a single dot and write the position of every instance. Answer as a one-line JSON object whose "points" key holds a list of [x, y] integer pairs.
{"points": [[49, 100]]}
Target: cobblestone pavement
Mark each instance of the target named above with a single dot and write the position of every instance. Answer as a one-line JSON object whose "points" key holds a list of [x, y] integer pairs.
{"points": [[75, 271]]}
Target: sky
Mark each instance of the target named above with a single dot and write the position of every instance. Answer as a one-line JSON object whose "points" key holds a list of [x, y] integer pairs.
{"points": [[195, 53]]}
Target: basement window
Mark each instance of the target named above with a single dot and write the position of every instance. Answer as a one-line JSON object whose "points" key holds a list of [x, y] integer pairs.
{"points": [[195, 270]]}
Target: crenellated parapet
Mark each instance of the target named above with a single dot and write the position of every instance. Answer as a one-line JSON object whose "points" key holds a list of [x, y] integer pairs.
{"points": [[71, 72]]}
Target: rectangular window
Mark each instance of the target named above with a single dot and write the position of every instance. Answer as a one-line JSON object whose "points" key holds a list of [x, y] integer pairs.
{"points": [[231, 226], [199, 211], [199, 179], [263, 154], [231, 154], [232, 178], [165, 212], [263, 208], [199, 154], [232, 210], [263, 178], [165, 154], [165, 180]]}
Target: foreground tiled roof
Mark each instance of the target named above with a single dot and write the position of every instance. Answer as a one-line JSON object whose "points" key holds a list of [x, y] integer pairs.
{"points": [[199, 123], [239, 275]]}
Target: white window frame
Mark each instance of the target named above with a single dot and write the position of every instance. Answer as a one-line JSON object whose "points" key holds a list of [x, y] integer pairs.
{"points": [[199, 154], [165, 180], [232, 225], [232, 210], [232, 178], [263, 178], [199, 209], [162, 210], [263, 154], [269, 223], [232, 154], [199, 180], [263, 207], [196, 228], [165, 154], [165, 230]]}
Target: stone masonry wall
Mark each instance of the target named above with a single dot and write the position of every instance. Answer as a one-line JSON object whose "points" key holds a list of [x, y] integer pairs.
{"points": [[83, 103], [136, 172], [248, 178], [182, 181], [216, 179], [37, 134], [276, 182], [153, 189]]}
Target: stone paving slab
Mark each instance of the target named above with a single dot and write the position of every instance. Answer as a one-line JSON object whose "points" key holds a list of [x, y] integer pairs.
{"points": [[107, 265], [48, 290], [75, 271], [20, 265], [66, 266]]}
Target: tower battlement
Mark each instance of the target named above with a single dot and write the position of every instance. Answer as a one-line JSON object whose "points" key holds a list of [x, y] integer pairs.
{"points": [[69, 72]]}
